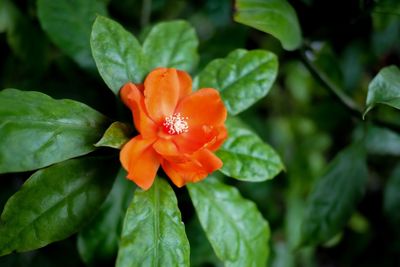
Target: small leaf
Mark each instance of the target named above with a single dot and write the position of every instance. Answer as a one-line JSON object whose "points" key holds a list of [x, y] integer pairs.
{"points": [[98, 241], [246, 157], [242, 78], [384, 89], [392, 197], [335, 196], [54, 203], [172, 44], [153, 232], [276, 17], [117, 53], [116, 135], [235, 228], [37, 130], [68, 24]]}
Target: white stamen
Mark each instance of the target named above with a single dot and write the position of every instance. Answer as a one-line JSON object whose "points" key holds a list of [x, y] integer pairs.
{"points": [[176, 124]]}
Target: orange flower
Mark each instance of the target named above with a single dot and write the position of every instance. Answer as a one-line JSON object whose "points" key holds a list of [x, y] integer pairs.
{"points": [[178, 128]]}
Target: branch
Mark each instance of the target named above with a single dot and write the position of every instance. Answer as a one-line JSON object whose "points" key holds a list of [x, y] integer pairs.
{"points": [[346, 101]]}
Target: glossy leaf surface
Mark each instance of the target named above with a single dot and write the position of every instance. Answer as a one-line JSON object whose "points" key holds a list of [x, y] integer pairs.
{"points": [[54, 203], [246, 157], [153, 233], [384, 88], [37, 130], [171, 44], [116, 135], [242, 78], [235, 228], [117, 53], [276, 17]]}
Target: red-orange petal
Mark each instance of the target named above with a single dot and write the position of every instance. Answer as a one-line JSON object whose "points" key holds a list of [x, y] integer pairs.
{"points": [[221, 137], [168, 150], [185, 83], [203, 107], [196, 138], [141, 161], [161, 91], [133, 97], [208, 160], [183, 173]]}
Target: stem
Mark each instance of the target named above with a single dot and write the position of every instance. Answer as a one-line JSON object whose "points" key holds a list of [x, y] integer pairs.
{"points": [[346, 101], [336, 92], [146, 11]]}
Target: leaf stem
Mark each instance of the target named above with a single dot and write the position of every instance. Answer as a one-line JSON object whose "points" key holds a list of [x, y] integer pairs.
{"points": [[336, 92], [146, 11], [346, 101]]}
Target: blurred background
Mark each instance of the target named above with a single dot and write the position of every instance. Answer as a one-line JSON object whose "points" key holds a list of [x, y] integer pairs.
{"points": [[349, 41]]}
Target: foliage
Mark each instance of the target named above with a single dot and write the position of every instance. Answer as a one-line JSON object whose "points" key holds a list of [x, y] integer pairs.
{"points": [[313, 133]]}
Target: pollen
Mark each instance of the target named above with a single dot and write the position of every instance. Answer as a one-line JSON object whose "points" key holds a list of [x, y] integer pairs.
{"points": [[176, 124]]}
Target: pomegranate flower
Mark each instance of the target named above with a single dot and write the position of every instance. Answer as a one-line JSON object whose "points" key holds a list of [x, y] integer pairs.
{"points": [[178, 129]]}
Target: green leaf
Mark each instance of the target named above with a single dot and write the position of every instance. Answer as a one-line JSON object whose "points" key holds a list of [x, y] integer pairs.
{"points": [[379, 140], [68, 24], [172, 44], [384, 89], [153, 232], [276, 17], [391, 197], [8, 15], [116, 135], [98, 241], [54, 203], [235, 228], [242, 78], [246, 157], [37, 130], [335, 196], [117, 53]]}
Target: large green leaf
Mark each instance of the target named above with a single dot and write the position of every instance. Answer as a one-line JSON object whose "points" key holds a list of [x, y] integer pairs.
{"points": [[245, 156], [235, 228], [276, 17], [384, 89], [54, 203], [335, 196], [153, 232], [172, 44], [98, 240], [117, 53], [392, 197], [68, 24], [36, 130], [242, 78]]}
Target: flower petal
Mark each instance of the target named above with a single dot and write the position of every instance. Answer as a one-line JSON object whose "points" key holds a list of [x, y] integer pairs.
{"points": [[185, 83], [196, 138], [180, 174], [221, 137], [208, 160], [168, 150], [203, 107], [141, 161], [132, 96], [161, 93]]}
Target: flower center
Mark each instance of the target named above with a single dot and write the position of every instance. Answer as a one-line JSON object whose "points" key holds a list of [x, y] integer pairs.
{"points": [[176, 124]]}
